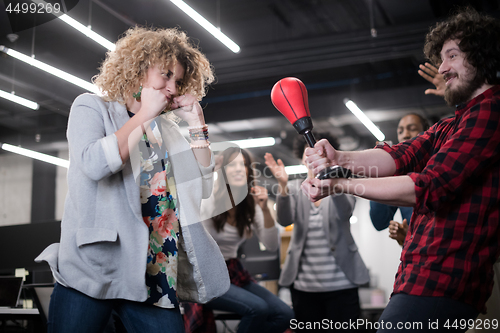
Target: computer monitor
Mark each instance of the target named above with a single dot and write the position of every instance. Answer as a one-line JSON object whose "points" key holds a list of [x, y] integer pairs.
{"points": [[21, 244], [10, 290]]}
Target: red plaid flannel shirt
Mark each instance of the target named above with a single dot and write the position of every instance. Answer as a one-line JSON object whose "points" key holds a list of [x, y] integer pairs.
{"points": [[454, 235]]}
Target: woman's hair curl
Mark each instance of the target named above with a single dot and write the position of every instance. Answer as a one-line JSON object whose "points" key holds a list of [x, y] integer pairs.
{"points": [[140, 48]]}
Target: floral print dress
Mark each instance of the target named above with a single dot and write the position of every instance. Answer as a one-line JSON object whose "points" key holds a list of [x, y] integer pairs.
{"points": [[160, 213]]}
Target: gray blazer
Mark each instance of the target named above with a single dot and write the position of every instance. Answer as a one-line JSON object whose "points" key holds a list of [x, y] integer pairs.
{"points": [[104, 240], [336, 211]]}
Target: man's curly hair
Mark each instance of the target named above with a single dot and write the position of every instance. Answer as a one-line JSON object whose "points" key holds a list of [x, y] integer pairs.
{"points": [[140, 48], [479, 37]]}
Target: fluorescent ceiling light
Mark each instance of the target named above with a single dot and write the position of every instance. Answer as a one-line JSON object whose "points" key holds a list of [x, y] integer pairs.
{"points": [[253, 143], [80, 27], [364, 119], [87, 32], [51, 70], [19, 100], [296, 169], [36, 155], [206, 25], [249, 143]]}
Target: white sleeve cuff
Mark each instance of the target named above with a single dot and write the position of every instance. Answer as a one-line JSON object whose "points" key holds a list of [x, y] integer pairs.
{"points": [[112, 153]]}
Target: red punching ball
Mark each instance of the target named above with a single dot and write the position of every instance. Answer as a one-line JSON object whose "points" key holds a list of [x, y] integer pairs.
{"points": [[289, 96]]}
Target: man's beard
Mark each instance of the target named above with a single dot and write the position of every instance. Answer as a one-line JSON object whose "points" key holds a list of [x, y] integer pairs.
{"points": [[463, 93]]}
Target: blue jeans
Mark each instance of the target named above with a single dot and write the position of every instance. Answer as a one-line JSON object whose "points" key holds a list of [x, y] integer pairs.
{"points": [[421, 314], [261, 310], [72, 311]]}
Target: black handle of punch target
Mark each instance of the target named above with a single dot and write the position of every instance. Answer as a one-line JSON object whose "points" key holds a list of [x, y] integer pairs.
{"points": [[331, 172]]}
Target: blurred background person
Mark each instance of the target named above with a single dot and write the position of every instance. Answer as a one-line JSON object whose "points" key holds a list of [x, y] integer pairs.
{"points": [[323, 268], [431, 73], [382, 215], [261, 311]]}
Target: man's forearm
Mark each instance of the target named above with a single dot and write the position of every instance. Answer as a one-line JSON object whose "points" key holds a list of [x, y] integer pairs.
{"points": [[395, 191], [368, 163]]}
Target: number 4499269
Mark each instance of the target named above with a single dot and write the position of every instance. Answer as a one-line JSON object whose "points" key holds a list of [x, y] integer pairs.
{"points": [[471, 324], [33, 8]]}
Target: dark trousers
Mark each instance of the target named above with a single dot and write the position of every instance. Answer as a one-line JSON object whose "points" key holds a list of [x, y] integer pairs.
{"points": [[71, 311], [407, 313], [329, 311]]}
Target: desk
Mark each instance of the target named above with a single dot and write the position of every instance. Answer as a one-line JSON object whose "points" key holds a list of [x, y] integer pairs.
{"points": [[18, 312], [31, 315]]}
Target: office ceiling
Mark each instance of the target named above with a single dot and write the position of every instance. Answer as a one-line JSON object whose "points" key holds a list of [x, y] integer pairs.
{"points": [[365, 50]]}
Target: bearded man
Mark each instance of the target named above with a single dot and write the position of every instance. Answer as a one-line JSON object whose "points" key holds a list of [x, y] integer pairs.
{"points": [[450, 175]]}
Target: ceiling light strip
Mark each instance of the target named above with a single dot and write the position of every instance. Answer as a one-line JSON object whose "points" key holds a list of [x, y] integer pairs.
{"points": [[207, 25], [87, 32], [36, 155], [254, 143], [51, 70], [19, 100], [248, 143], [295, 169], [81, 28], [364, 119]]}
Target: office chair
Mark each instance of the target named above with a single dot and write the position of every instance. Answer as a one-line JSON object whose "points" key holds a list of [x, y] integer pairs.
{"points": [[262, 264]]}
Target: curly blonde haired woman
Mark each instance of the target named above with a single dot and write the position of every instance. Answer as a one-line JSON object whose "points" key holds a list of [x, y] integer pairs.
{"points": [[131, 240]]}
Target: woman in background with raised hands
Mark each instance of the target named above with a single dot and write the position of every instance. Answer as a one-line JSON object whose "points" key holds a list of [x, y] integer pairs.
{"points": [[261, 310]]}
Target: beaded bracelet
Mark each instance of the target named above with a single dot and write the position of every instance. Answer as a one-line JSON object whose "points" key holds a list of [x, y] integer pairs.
{"points": [[206, 145], [198, 132], [201, 127], [200, 135]]}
